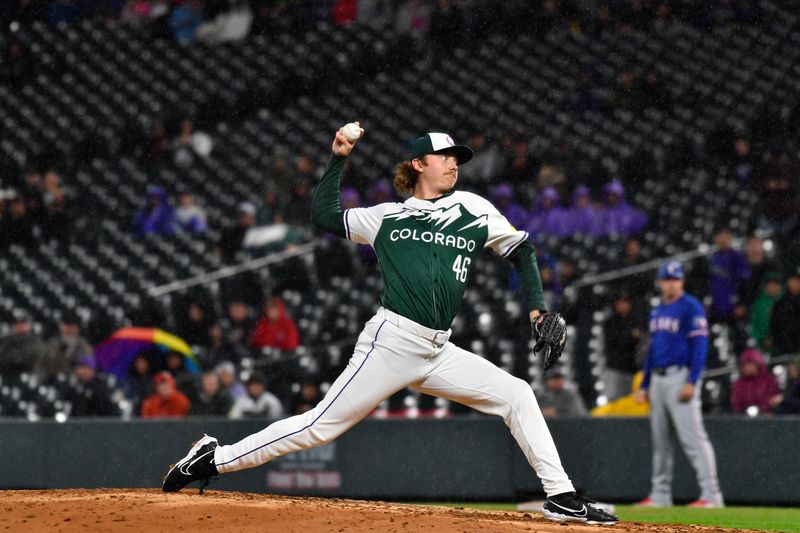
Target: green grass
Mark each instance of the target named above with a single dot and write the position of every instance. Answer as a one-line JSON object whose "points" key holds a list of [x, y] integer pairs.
{"points": [[760, 518], [782, 519]]}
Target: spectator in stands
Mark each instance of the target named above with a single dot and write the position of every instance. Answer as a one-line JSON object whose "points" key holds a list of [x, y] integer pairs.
{"points": [[63, 352], [232, 238], [20, 350], [785, 317], [51, 187], [788, 402], [238, 325], [635, 284], [298, 208], [190, 143], [227, 378], [166, 401], [487, 164], [174, 364], [138, 383], [157, 145], [742, 160], [618, 217], [558, 399], [503, 199], [277, 177], [728, 269], [276, 329], [258, 402], [194, 326], [755, 386], [551, 286], [191, 218], [522, 164], [778, 185], [581, 218], [91, 397], [567, 272], [350, 198], [758, 265], [33, 194], [307, 397], [271, 209], [135, 12], [184, 20], [219, 349], [56, 219], [17, 227], [231, 25], [157, 216], [344, 12], [230, 242], [552, 175], [304, 169], [211, 400], [412, 17], [381, 191], [761, 310], [548, 218], [622, 334]]}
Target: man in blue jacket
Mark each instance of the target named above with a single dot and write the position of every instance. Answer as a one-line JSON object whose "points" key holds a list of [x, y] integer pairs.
{"points": [[677, 356]]}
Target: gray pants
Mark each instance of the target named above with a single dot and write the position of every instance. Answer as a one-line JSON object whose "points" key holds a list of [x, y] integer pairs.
{"points": [[669, 417]]}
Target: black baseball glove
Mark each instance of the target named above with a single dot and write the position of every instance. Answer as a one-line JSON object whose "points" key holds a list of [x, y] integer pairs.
{"points": [[550, 333]]}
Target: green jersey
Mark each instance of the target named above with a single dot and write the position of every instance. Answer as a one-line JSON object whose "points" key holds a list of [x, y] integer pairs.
{"points": [[427, 248]]}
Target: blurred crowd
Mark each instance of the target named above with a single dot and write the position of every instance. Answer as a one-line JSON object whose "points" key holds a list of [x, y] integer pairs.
{"points": [[158, 382], [444, 22], [37, 207]]}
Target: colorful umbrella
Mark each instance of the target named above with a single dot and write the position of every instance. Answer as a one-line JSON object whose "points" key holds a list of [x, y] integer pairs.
{"points": [[116, 353]]}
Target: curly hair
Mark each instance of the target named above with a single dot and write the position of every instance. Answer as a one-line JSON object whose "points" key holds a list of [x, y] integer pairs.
{"points": [[405, 178]]}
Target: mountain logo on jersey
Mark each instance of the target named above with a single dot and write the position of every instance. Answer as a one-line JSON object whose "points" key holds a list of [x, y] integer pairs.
{"points": [[441, 217], [480, 222]]}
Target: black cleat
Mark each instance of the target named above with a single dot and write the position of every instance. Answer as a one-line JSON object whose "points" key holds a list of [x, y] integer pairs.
{"points": [[572, 507], [198, 465]]}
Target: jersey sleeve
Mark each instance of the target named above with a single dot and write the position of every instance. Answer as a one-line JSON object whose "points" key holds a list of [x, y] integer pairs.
{"points": [[503, 238], [361, 224], [697, 323], [698, 339]]}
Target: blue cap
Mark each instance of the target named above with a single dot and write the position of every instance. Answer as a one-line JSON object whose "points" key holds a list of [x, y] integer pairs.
{"points": [[670, 270]]}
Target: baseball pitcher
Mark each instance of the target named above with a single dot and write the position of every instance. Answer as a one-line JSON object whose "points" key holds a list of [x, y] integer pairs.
{"points": [[426, 246]]}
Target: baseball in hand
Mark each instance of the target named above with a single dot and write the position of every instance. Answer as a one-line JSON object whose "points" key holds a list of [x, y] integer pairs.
{"points": [[352, 132]]}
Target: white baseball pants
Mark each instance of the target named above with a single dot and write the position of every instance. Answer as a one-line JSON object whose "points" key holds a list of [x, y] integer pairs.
{"points": [[392, 353]]}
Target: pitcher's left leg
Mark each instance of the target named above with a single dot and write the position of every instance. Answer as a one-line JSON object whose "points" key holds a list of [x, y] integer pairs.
{"points": [[466, 378]]}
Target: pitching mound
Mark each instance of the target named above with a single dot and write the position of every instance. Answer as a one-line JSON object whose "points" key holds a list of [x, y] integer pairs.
{"points": [[151, 510]]}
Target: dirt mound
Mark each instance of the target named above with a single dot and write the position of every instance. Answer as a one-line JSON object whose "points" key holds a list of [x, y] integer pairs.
{"points": [[151, 510]]}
